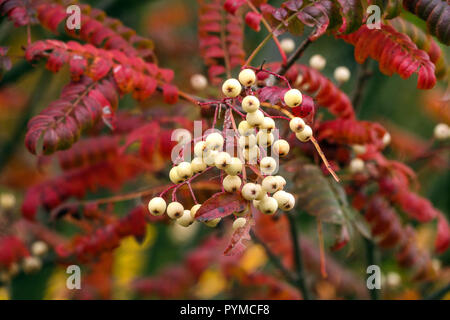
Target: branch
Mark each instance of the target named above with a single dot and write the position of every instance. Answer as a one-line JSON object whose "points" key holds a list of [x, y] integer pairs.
{"points": [[364, 74], [295, 56]]}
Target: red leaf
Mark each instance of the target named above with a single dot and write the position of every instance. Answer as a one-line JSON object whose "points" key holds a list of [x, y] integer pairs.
{"points": [[253, 20], [443, 234], [221, 205], [236, 245]]}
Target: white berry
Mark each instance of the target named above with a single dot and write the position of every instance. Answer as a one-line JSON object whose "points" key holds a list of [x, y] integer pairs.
{"points": [[297, 124], [246, 142], [287, 45], [39, 248], [235, 167], [342, 74], [281, 182], [359, 149], [285, 200], [250, 191], [250, 104], [184, 170], [231, 183], [268, 165], [293, 98], [210, 158], [175, 210], [223, 159], [304, 135], [268, 124], [264, 138], [214, 141], [198, 165], [281, 147], [200, 149], [31, 264], [212, 223], [317, 62], [386, 139], [255, 119], [268, 205], [245, 129], [356, 165], [157, 206], [270, 184], [251, 155], [194, 210], [185, 220], [239, 223], [199, 82], [441, 131], [247, 77], [174, 176], [231, 88]]}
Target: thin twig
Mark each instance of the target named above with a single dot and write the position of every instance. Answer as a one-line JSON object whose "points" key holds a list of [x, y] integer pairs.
{"points": [[297, 257], [295, 56], [364, 74]]}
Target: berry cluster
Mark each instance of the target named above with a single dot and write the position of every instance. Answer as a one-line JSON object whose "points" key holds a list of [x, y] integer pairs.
{"points": [[256, 144]]}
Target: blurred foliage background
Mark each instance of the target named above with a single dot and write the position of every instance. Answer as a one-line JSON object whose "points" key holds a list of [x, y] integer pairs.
{"points": [[172, 26]]}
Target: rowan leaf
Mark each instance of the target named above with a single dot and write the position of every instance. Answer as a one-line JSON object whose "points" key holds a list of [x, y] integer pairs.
{"points": [[221, 205]]}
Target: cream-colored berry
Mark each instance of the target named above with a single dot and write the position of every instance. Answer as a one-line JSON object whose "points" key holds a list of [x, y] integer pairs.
{"points": [[185, 220], [255, 119], [356, 165], [281, 182], [39, 248], [393, 279], [247, 77], [232, 183], [317, 62], [285, 200], [242, 213], [223, 159], [31, 264], [250, 104], [359, 149], [441, 131], [210, 158], [214, 141], [212, 223], [268, 165], [270, 184], [200, 149], [293, 98], [199, 82], [235, 167], [239, 223], [260, 192], [249, 191], [251, 155], [7, 201], [386, 139], [268, 205], [184, 170], [198, 165], [174, 176], [245, 129], [341, 74], [268, 124], [157, 206], [175, 210], [231, 88], [182, 136], [304, 135], [287, 45], [297, 124], [264, 138], [246, 142], [281, 147], [194, 210]]}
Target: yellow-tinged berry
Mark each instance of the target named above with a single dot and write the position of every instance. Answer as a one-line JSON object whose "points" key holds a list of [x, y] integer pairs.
{"points": [[285, 200], [250, 104], [185, 220], [246, 142], [184, 170], [251, 155], [175, 210], [214, 141], [268, 124], [317, 62], [281, 147], [235, 167], [39, 248], [268, 205], [174, 176], [231, 183], [212, 223], [356, 165], [264, 138], [304, 135], [245, 129], [157, 206], [287, 45], [297, 124], [281, 182], [341, 74], [223, 159], [293, 98], [194, 210], [198, 165], [31, 264], [231, 88], [268, 165], [270, 184], [359, 149], [386, 139], [199, 82], [239, 223], [250, 191], [441, 131], [210, 158], [255, 119], [200, 149], [247, 77]]}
